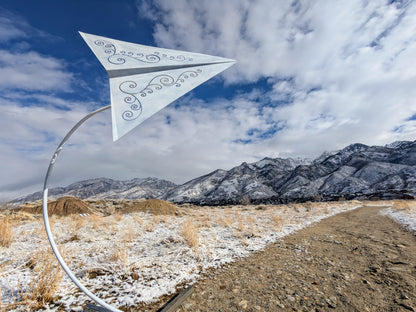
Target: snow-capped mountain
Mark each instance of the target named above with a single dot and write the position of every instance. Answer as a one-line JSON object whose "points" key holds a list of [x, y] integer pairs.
{"points": [[104, 188], [254, 180], [357, 171]]}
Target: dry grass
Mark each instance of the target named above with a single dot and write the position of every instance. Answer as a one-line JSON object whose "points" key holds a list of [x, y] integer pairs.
{"points": [[278, 221], [150, 226], [407, 205], [308, 206], [161, 219], [96, 221], [138, 219], [20, 216], [127, 232], [240, 225], [190, 233], [44, 286], [225, 221], [77, 222], [204, 221], [6, 233], [120, 254], [118, 217]]}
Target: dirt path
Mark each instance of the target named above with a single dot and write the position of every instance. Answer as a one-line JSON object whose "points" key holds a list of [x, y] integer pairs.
{"points": [[354, 261]]}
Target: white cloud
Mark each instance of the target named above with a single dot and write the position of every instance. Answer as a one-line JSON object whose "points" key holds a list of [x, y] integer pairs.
{"points": [[33, 72], [14, 27], [344, 71], [21, 68], [196, 140], [356, 57]]}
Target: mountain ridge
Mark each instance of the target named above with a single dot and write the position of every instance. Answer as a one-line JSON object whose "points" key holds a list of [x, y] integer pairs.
{"points": [[357, 171]]}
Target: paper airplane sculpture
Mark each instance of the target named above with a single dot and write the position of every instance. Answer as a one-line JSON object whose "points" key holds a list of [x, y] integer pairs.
{"points": [[144, 79]]}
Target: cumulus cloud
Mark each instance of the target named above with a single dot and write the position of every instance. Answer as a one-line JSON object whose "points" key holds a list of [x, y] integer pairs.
{"points": [[342, 69], [176, 144], [20, 66], [33, 72], [312, 76]]}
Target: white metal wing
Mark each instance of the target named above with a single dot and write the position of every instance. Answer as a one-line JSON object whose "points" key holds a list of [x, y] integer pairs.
{"points": [[144, 79]]}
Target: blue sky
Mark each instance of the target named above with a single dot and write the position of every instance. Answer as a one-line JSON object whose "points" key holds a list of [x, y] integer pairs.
{"points": [[312, 76]]}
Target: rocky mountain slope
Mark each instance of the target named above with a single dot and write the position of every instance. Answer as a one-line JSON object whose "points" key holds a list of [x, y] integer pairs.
{"points": [[357, 171], [104, 188]]}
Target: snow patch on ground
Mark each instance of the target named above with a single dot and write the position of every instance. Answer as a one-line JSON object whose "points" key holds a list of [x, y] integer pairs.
{"points": [[139, 257], [404, 217]]}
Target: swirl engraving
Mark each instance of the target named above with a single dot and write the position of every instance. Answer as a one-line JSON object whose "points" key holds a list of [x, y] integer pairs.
{"points": [[120, 57], [130, 88], [160, 81]]}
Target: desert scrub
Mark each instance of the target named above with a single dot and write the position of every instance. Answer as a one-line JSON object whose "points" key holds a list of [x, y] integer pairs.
{"points": [[6, 232]]}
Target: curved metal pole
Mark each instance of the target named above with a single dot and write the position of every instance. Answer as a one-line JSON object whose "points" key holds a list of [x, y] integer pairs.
{"points": [[46, 217]]}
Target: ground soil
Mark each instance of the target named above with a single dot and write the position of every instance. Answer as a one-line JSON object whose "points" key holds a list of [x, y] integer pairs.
{"points": [[354, 261], [61, 207], [153, 206]]}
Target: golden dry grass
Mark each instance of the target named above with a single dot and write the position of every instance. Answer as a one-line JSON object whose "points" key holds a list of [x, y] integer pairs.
{"points": [[43, 286], [407, 205], [118, 217], [96, 221], [278, 221], [152, 206], [120, 254], [77, 222], [150, 226], [138, 219], [190, 233], [127, 232], [6, 233], [244, 222]]}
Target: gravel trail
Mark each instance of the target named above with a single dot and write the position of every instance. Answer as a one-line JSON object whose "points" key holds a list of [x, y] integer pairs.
{"points": [[355, 261]]}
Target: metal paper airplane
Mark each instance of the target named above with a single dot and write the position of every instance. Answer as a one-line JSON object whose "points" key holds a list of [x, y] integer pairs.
{"points": [[144, 79]]}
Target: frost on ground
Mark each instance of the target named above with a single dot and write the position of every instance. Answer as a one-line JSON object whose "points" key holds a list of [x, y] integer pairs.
{"points": [[403, 212], [137, 257]]}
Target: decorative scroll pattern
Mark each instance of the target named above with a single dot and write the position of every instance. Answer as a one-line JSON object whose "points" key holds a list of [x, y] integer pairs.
{"points": [[120, 57], [157, 83]]}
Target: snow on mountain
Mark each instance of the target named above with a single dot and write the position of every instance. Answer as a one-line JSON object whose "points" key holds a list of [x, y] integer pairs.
{"points": [[104, 188], [356, 171]]}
